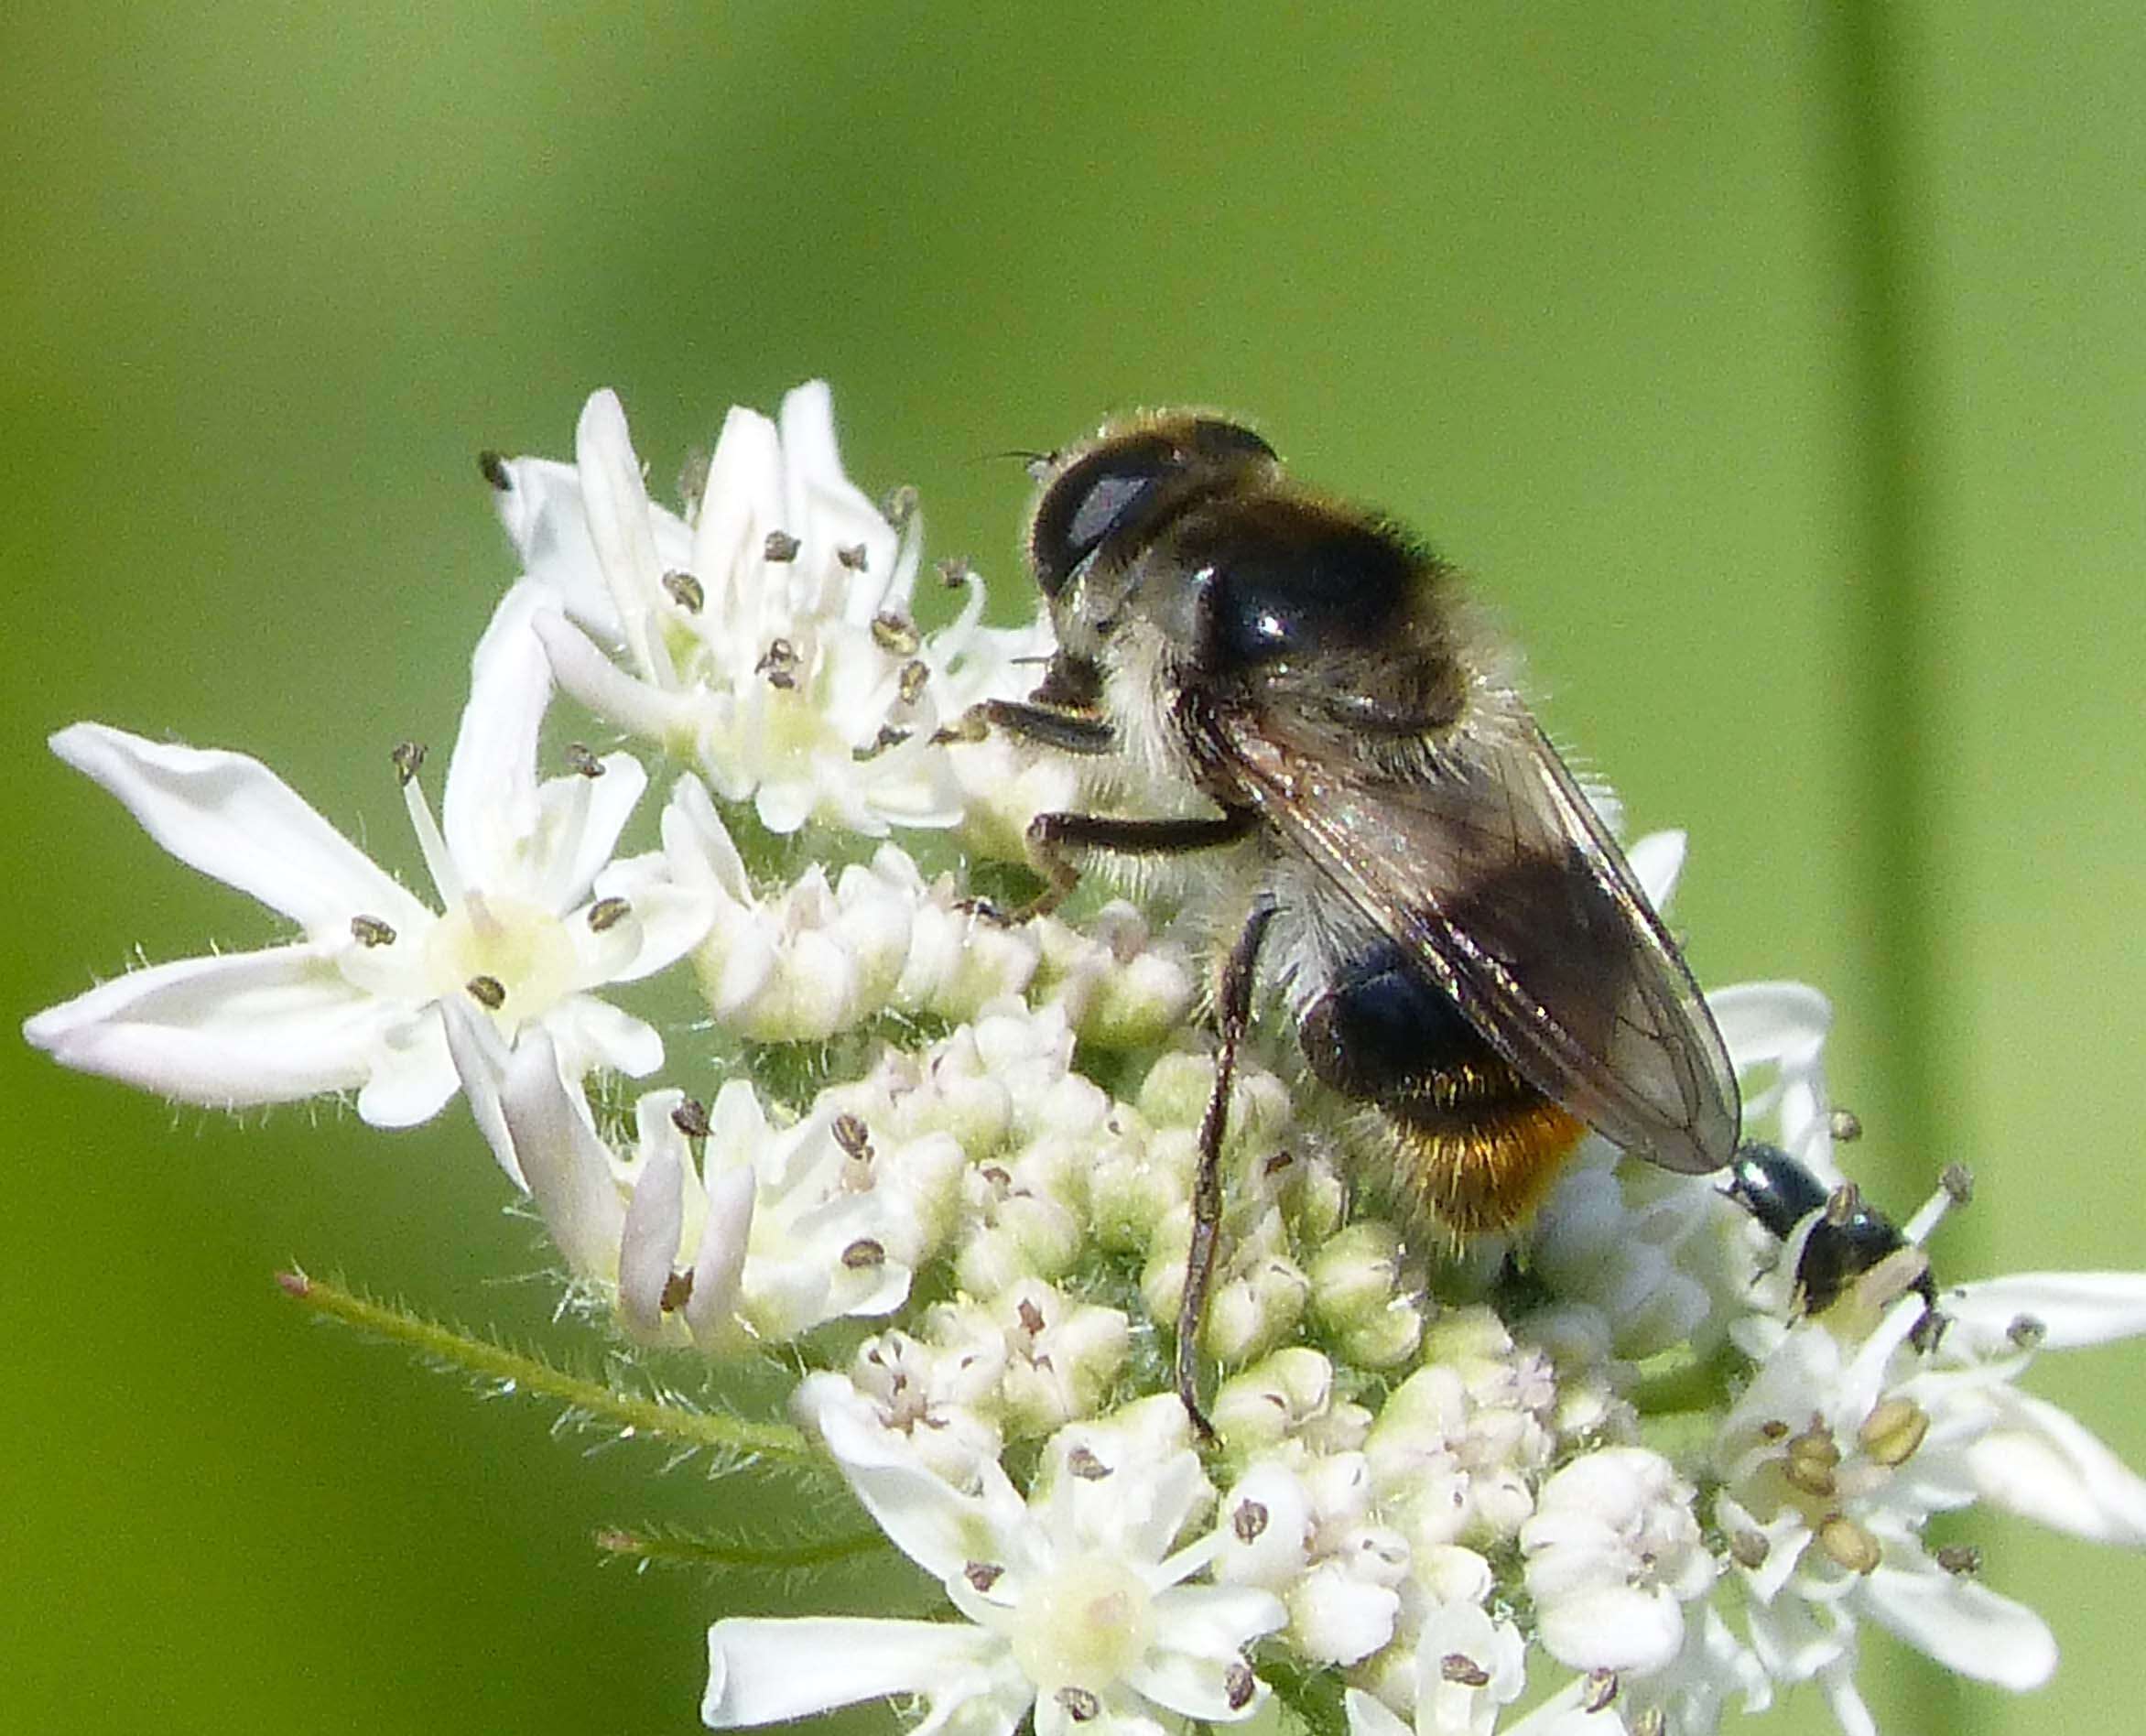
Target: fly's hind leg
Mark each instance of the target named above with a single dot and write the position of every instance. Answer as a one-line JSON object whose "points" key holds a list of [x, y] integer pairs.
{"points": [[1233, 1013]]}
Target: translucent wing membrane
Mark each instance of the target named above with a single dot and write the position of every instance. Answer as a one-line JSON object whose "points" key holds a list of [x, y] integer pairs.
{"points": [[1487, 863]]}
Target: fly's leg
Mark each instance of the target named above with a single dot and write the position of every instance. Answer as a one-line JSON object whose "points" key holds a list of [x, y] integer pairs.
{"points": [[1233, 1011]]}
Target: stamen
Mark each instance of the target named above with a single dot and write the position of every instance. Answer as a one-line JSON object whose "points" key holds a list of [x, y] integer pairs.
{"points": [[1956, 1186], [895, 634], [1893, 1430], [1848, 1545], [1081, 1462], [439, 861]]}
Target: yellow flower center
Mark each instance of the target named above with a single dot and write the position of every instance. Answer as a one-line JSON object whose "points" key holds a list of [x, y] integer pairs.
{"points": [[510, 955], [1085, 1624]]}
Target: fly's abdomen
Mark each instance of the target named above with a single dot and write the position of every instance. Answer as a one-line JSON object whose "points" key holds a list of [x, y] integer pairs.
{"points": [[1476, 1145]]}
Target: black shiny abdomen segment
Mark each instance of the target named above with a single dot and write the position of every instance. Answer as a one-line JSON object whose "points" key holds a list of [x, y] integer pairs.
{"points": [[1288, 578], [1774, 1187], [1780, 1193], [1384, 1032]]}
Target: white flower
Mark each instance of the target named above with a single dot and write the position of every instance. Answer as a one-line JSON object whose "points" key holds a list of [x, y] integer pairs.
{"points": [[1853, 1430], [944, 1393], [1306, 1532], [1843, 1447], [823, 954], [1119, 988], [1614, 1552], [786, 1228], [1060, 1354], [1457, 1446], [1077, 1603], [533, 922], [1468, 1667], [772, 642]]}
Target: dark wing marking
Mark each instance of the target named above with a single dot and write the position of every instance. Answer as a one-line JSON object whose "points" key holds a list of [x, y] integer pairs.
{"points": [[1487, 864]]}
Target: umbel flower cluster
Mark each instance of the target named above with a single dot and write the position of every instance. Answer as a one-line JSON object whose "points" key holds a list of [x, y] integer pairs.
{"points": [[1608, 1473]]}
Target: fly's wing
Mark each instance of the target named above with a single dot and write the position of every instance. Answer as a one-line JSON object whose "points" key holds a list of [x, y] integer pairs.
{"points": [[1486, 863]]}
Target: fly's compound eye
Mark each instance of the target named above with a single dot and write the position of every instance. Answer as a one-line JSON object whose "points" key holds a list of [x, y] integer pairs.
{"points": [[1109, 489], [1118, 486]]}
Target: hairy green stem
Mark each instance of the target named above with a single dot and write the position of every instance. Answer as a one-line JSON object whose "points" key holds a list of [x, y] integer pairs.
{"points": [[648, 1418], [676, 1549]]}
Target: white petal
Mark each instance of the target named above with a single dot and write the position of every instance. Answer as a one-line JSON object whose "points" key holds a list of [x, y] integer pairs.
{"points": [[1337, 1618], [1764, 1022], [699, 844], [1655, 862], [412, 1075], [1369, 1716], [762, 1672], [934, 1525], [230, 817], [1837, 1683], [1150, 1515], [541, 508], [2073, 1309], [481, 1060], [1612, 1628], [1192, 1683], [720, 1266], [1274, 1552], [1215, 1622], [619, 526], [1963, 1624], [583, 819], [655, 1218], [668, 919], [248, 1027], [740, 505], [490, 805], [821, 499], [784, 806], [2037, 1461], [568, 1168], [593, 1033], [1562, 1714], [641, 707]]}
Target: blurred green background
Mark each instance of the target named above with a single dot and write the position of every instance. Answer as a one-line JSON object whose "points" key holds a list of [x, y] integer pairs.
{"points": [[1778, 369]]}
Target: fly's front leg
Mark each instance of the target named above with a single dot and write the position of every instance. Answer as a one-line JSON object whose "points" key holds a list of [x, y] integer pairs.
{"points": [[1233, 1011], [1052, 838], [1076, 728]]}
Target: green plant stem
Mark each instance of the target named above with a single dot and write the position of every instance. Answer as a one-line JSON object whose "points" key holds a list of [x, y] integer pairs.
{"points": [[632, 1415], [672, 1549]]}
